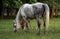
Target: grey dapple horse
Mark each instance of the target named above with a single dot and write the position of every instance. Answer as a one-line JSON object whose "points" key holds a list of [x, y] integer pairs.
{"points": [[32, 11]]}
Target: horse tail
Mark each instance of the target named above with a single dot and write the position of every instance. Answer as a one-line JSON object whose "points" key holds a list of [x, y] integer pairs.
{"points": [[47, 15]]}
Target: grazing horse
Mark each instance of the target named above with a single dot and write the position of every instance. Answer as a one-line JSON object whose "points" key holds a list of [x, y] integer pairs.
{"points": [[35, 11]]}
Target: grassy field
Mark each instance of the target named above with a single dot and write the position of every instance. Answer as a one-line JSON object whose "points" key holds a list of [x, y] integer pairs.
{"points": [[53, 32]]}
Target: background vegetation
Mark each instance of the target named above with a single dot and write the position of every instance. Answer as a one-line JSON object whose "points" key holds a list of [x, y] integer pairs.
{"points": [[9, 8], [18, 3]]}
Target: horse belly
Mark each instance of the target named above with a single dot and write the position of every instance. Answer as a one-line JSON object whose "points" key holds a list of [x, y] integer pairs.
{"points": [[30, 15]]}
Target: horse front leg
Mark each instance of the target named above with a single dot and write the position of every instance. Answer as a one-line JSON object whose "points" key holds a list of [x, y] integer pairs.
{"points": [[26, 23], [29, 23], [38, 23], [22, 23]]}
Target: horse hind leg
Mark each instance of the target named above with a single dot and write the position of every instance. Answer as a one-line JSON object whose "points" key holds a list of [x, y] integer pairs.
{"points": [[38, 23], [44, 28], [44, 19]]}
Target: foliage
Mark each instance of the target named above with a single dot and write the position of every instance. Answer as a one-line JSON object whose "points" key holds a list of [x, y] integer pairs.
{"points": [[12, 3], [5, 3], [18, 3], [33, 1]]}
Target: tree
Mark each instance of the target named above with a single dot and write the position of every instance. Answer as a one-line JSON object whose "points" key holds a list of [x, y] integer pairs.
{"points": [[53, 4], [56, 8], [1, 8], [33, 1]]}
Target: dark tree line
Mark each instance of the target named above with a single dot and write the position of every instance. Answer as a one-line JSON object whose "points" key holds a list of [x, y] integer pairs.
{"points": [[1, 6], [11, 6]]}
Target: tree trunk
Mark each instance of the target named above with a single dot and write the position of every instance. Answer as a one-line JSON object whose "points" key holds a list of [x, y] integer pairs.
{"points": [[56, 13], [52, 14], [8, 12], [1, 8]]}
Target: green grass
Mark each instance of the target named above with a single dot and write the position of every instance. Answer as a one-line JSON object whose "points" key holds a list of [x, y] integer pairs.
{"points": [[53, 32]]}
